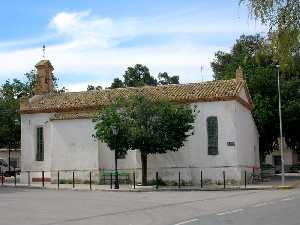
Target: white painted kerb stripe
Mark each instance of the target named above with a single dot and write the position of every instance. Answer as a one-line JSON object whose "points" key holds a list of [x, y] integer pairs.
{"points": [[187, 221]]}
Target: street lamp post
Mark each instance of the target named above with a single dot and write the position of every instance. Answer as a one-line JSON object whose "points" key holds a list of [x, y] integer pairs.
{"points": [[280, 127], [115, 133], [9, 151]]}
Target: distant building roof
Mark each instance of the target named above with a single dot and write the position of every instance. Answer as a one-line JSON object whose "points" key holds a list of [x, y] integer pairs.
{"points": [[221, 90]]}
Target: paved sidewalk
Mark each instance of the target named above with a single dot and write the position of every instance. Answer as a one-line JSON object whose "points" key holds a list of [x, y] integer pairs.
{"points": [[137, 188]]}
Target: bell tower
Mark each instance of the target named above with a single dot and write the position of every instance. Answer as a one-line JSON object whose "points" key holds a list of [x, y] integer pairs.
{"points": [[44, 82]]}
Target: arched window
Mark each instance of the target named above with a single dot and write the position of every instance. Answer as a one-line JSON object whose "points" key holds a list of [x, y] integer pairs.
{"points": [[212, 135]]}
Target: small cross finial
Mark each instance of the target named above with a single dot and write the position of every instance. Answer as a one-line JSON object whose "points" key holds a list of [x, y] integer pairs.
{"points": [[44, 51]]}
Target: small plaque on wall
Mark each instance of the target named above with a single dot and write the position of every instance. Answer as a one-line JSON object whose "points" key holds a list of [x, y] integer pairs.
{"points": [[230, 143]]}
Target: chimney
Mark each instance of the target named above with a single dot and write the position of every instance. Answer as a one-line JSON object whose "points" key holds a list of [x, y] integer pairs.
{"points": [[239, 74], [44, 82]]}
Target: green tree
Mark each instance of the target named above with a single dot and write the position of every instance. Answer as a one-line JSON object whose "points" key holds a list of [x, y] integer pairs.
{"points": [[117, 83], [10, 91], [158, 127], [283, 19], [10, 130], [151, 127], [165, 79], [138, 75], [255, 55], [248, 50], [115, 115], [91, 88]]}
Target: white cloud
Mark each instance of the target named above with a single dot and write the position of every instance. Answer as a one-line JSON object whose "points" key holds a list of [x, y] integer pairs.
{"points": [[74, 87], [90, 45], [83, 30]]}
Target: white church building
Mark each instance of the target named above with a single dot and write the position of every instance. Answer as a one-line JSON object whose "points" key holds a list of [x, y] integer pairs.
{"points": [[57, 130]]}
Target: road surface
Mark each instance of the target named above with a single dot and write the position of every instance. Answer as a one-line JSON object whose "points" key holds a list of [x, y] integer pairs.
{"points": [[66, 207]]}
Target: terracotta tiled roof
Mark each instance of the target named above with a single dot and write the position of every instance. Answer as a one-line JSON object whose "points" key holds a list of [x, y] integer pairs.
{"points": [[221, 90]]}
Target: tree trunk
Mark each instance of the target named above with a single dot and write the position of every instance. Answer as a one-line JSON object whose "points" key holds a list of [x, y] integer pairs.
{"points": [[144, 168]]}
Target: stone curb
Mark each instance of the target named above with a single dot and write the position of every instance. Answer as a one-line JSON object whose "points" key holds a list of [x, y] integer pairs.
{"points": [[285, 187], [151, 189]]}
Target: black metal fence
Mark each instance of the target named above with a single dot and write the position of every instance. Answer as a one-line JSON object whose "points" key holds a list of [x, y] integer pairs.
{"points": [[177, 178]]}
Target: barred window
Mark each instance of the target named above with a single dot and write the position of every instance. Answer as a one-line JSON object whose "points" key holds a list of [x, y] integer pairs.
{"points": [[212, 135], [40, 144]]}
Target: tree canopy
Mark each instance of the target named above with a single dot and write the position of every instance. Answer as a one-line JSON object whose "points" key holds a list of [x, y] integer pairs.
{"points": [[148, 126], [139, 75], [10, 91], [117, 83], [254, 54], [283, 19], [92, 87], [109, 117], [10, 130], [164, 79]]}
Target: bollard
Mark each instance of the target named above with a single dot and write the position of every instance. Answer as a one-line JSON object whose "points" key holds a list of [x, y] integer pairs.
{"points": [[156, 177], [28, 177], [15, 175], [133, 180], [224, 179], [58, 179], [111, 182], [245, 179], [43, 178], [73, 179], [90, 180], [179, 182], [201, 179]]}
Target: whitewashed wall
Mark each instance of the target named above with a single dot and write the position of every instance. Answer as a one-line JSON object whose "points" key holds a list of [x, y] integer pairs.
{"points": [[69, 145], [29, 125], [247, 143], [73, 145], [233, 121]]}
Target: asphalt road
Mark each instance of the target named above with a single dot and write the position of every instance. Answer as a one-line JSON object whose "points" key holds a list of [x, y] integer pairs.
{"points": [[50, 207], [283, 211]]}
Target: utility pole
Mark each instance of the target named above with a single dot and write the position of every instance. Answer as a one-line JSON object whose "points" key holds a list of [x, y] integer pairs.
{"points": [[280, 127], [115, 133]]}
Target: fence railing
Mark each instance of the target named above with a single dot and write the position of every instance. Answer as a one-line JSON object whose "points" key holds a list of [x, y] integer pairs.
{"points": [[221, 178]]}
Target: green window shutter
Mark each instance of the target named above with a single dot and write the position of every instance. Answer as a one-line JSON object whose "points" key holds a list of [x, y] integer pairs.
{"points": [[212, 135]]}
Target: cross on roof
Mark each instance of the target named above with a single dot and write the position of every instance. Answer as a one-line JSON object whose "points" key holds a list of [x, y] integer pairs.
{"points": [[44, 51]]}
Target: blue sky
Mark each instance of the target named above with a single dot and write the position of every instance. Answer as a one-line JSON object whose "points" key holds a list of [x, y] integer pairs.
{"points": [[93, 41]]}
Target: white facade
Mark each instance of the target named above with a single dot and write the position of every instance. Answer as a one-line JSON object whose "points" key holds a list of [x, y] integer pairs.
{"points": [[70, 145]]}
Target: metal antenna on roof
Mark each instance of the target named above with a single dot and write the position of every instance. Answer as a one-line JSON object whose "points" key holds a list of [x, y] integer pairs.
{"points": [[44, 51], [201, 72]]}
